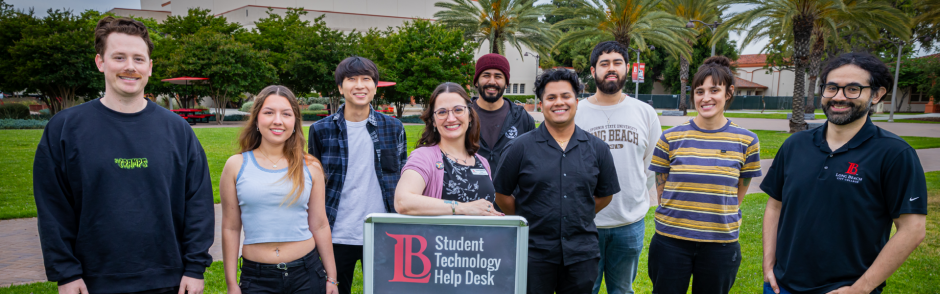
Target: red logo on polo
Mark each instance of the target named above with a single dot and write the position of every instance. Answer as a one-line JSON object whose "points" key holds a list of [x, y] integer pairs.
{"points": [[404, 257], [853, 169]]}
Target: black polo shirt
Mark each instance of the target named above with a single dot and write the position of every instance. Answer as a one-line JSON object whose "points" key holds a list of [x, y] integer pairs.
{"points": [[838, 206], [556, 191]]}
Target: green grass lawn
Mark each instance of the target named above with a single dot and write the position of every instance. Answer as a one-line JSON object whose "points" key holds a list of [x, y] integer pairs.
{"points": [[916, 121], [919, 274], [16, 190]]}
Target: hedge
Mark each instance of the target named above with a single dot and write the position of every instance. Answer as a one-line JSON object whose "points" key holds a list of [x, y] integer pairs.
{"points": [[9, 123], [14, 111], [316, 106], [246, 107], [519, 98], [411, 119]]}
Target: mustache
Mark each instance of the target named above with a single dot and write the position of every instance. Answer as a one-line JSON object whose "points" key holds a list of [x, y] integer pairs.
{"points": [[130, 75]]}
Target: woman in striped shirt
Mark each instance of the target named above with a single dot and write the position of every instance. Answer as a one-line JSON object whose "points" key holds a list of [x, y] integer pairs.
{"points": [[703, 168]]}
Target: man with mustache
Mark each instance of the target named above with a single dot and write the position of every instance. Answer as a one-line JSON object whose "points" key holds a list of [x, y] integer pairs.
{"points": [[836, 190], [631, 129], [122, 185], [501, 121], [558, 177]]}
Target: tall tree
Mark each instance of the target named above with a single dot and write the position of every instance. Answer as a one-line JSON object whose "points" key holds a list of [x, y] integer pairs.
{"points": [[233, 67], [500, 22], [636, 23], [195, 20], [707, 11], [801, 18], [312, 56], [701, 50], [55, 58], [13, 23], [420, 55]]}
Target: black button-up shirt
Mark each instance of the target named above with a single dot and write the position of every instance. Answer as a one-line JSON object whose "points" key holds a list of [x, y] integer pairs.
{"points": [[556, 191], [838, 206]]}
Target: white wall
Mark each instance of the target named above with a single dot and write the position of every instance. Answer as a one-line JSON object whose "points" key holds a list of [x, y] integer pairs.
{"points": [[522, 69], [778, 83], [399, 8], [154, 5]]}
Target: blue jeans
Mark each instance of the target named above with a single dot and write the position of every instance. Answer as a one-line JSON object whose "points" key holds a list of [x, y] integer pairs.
{"points": [[620, 256], [770, 290]]}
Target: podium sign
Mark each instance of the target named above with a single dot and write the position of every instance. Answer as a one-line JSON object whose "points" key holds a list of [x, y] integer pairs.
{"points": [[444, 254]]}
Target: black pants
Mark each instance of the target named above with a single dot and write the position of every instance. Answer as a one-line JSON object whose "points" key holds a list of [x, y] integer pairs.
{"points": [[169, 290], [346, 257], [672, 262], [548, 278], [304, 275]]}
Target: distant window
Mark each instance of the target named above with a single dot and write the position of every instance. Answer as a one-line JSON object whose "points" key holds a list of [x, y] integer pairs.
{"points": [[522, 89], [515, 88], [920, 97], [507, 90]]}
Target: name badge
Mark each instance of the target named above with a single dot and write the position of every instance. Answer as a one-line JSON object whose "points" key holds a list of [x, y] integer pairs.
{"points": [[478, 171]]}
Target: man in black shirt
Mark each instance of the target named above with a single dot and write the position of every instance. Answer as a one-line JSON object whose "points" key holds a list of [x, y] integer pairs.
{"points": [[558, 194], [501, 121], [836, 190], [122, 185]]}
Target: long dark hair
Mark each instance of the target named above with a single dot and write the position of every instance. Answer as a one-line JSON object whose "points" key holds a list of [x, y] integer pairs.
{"points": [[431, 137], [295, 150]]}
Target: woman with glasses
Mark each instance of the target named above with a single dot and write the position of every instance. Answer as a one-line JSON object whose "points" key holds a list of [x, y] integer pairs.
{"points": [[444, 175]]}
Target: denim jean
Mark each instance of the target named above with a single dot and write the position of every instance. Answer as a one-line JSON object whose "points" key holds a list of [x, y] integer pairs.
{"points": [[620, 256], [305, 275], [712, 267]]}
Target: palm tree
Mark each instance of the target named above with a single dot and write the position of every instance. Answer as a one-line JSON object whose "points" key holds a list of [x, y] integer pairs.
{"points": [[703, 10], [499, 22], [629, 22], [801, 18]]}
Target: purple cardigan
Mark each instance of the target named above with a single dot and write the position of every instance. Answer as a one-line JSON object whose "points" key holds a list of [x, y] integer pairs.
{"points": [[425, 161]]}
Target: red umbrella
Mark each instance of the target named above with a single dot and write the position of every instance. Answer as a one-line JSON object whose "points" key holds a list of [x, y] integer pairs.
{"points": [[385, 84], [185, 81]]}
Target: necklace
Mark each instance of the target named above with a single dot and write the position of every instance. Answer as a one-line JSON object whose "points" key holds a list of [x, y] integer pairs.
{"points": [[273, 163], [623, 96], [456, 159]]}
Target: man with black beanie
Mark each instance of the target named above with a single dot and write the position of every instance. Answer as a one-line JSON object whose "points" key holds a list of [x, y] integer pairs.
{"points": [[500, 119]]}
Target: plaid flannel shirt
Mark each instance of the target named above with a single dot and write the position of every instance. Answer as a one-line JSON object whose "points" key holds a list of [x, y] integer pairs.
{"points": [[328, 143]]}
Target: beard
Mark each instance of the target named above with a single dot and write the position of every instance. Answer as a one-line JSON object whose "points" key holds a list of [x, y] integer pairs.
{"points": [[856, 112], [609, 87], [494, 98]]}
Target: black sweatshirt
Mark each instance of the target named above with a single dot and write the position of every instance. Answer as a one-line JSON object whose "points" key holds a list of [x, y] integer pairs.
{"points": [[124, 200]]}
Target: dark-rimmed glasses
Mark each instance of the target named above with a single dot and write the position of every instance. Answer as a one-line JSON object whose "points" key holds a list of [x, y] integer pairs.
{"points": [[849, 91], [459, 110]]}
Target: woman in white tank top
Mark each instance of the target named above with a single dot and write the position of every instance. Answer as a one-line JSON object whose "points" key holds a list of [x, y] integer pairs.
{"points": [[275, 191]]}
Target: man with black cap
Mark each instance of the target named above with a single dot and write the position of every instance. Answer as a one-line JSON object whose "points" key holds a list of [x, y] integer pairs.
{"points": [[500, 119]]}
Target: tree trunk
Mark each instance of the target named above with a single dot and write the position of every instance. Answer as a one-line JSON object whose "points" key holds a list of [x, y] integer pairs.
{"points": [[494, 44], [802, 30], [400, 108], [684, 80], [815, 62]]}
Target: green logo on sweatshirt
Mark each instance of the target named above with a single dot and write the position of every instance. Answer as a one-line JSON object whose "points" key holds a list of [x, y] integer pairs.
{"points": [[131, 163]]}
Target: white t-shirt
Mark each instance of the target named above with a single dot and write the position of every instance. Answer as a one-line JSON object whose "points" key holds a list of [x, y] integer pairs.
{"points": [[361, 192], [632, 133]]}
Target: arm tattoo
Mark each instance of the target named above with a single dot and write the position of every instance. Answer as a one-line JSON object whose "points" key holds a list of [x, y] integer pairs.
{"points": [[747, 181], [660, 179]]}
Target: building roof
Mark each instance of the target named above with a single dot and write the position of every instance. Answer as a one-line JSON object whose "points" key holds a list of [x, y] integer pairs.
{"points": [[740, 83], [751, 60]]}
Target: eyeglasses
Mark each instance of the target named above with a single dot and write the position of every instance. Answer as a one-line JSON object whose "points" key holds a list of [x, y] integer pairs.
{"points": [[459, 110], [850, 91]]}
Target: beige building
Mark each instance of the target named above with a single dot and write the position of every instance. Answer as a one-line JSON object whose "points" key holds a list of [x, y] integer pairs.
{"points": [[344, 15], [751, 69]]}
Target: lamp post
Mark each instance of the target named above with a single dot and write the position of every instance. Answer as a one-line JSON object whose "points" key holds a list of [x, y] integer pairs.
{"points": [[637, 93], [894, 92], [536, 61], [713, 26]]}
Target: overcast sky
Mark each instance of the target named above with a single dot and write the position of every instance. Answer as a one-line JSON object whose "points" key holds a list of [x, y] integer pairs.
{"points": [[105, 5]]}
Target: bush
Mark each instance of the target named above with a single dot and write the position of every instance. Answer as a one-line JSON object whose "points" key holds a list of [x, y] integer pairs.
{"points": [[312, 115], [14, 111], [519, 98], [232, 117], [246, 107], [316, 107], [411, 119], [9, 123]]}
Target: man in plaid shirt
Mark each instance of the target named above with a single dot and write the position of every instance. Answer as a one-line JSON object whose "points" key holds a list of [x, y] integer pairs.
{"points": [[362, 152]]}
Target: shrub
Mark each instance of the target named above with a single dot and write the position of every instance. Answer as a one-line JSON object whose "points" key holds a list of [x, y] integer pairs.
{"points": [[232, 117], [14, 111], [519, 98], [9, 123], [411, 119], [316, 107], [246, 107], [312, 115]]}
